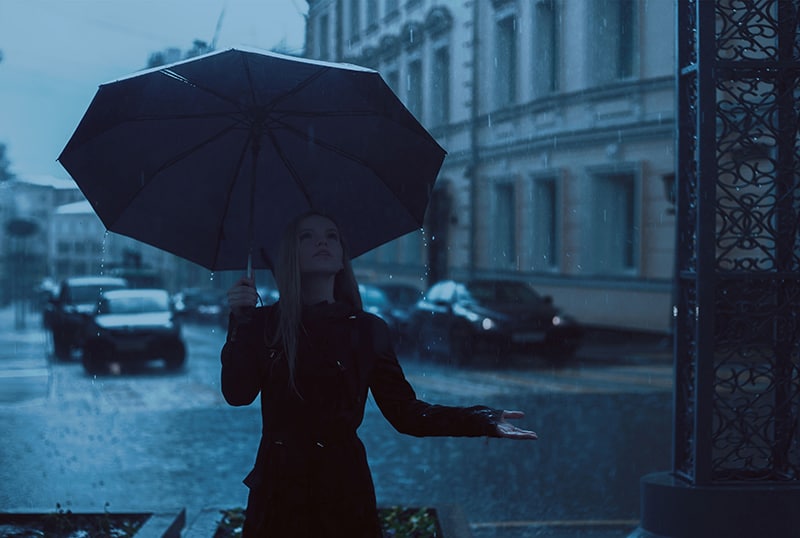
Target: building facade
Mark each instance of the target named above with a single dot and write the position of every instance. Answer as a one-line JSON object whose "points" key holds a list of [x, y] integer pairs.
{"points": [[558, 117], [70, 240], [24, 260], [80, 245]]}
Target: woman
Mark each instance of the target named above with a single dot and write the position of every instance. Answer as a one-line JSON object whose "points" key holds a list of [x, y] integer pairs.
{"points": [[313, 356]]}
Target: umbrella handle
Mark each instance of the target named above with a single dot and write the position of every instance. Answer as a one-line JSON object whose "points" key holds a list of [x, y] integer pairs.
{"points": [[250, 264]]}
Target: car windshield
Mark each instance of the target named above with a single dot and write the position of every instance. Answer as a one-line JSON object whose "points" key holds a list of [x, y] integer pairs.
{"points": [[87, 294], [135, 304], [502, 292], [374, 297], [403, 296]]}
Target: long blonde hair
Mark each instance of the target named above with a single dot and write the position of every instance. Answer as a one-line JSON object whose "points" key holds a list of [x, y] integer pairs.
{"points": [[288, 279]]}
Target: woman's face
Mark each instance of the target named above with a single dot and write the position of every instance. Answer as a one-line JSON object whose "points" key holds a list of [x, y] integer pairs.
{"points": [[319, 248]]}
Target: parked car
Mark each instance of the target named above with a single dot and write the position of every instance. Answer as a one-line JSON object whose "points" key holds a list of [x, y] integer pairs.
{"points": [[68, 310], [375, 301], [138, 277], [403, 299], [133, 325], [460, 318], [268, 295], [201, 305]]}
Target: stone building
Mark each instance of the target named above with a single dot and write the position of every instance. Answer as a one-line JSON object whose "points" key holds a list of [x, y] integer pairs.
{"points": [[80, 245], [558, 117], [24, 260], [70, 240]]}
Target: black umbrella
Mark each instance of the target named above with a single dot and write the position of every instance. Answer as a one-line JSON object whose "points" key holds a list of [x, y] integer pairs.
{"points": [[211, 157]]}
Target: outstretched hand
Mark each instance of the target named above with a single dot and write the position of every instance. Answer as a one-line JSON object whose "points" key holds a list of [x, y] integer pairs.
{"points": [[509, 431]]}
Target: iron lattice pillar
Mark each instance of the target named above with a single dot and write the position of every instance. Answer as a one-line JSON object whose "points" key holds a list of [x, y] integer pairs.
{"points": [[736, 453]]}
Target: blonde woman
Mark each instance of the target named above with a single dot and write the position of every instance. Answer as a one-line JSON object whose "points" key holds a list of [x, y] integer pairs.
{"points": [[313, 356]]}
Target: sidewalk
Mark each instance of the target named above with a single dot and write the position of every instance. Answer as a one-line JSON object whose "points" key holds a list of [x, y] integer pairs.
{"points": [[24, 364], [627, 346]]}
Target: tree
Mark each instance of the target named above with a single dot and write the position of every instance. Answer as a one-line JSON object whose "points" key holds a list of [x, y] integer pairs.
{"points": [[5, 165]]}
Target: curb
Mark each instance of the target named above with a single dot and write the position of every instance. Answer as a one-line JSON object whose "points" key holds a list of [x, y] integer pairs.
{"points": [[161, 524], [452, 522]]}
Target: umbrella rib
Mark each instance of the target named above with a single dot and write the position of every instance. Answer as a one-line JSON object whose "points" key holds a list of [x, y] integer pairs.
{"points": [[299, 87], [288, 165], [332, 148], [228, 198], [162, 117], [180, 78], [329, 147], [189, 151]]}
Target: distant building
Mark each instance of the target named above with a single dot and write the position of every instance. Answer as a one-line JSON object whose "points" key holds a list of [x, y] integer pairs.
{"points": [[80, 245], [24, 261], [558, 117]]}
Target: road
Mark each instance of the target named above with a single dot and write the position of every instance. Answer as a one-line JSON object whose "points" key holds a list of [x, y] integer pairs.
{"points": [[150, 438]]}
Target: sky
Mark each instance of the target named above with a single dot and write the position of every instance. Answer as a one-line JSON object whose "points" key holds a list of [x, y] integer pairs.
{"points": [[55, 53]]}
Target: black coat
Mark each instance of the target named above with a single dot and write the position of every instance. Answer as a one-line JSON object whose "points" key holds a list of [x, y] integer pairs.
{"points": [[311, 476]]}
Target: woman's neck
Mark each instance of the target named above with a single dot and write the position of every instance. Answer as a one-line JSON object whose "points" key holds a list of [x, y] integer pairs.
{"points": [[317, 289]]}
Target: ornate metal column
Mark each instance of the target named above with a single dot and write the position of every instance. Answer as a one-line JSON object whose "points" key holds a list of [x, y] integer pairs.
{"points": [[736, 454]]}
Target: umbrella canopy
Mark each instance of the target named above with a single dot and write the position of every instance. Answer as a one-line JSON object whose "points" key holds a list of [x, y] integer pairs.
{"points": [[210, 158]]}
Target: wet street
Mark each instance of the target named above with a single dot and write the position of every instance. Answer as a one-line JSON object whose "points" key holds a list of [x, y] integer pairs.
{"points": [[150, 439]]}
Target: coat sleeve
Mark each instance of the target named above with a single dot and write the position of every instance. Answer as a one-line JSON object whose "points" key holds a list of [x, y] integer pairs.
{"points": [[399, 403], [241, 358]]}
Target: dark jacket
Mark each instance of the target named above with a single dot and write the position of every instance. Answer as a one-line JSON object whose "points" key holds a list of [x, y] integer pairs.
{"points": [[311, 476]]}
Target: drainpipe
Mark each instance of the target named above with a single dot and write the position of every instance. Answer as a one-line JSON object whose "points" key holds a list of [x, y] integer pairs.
{"points": [[472, 168], [338, 26]]}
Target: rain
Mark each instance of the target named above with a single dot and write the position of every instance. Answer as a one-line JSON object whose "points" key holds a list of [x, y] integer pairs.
{"points": [[518, 234]]}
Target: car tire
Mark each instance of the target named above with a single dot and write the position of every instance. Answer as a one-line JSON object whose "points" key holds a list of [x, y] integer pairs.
{"points": [[175, 356], [61, 346], [96, 357], [461, 342]]}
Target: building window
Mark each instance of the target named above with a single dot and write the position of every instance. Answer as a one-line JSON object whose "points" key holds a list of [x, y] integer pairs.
{"points": [[543, 241], [414, 88], [505, 61], [323, 45], [545, 48], [504, 227], [440, 90], [355, 19], [613, 233], [613, 39]]}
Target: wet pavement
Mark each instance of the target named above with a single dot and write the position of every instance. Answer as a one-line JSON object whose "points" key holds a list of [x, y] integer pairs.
{"points": [[153, 439]]}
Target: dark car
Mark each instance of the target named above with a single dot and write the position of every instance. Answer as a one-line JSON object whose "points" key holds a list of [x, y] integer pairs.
{"points": [[403, 299], [461, 319], [68, 310], [375, 301], [201, 305], [134, 325]]}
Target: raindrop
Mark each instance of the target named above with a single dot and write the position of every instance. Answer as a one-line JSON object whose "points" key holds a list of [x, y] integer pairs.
{"points": [[103, 253]]}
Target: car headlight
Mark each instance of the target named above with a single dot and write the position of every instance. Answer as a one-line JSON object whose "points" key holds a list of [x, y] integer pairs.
{"points": [[487, 324]]}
